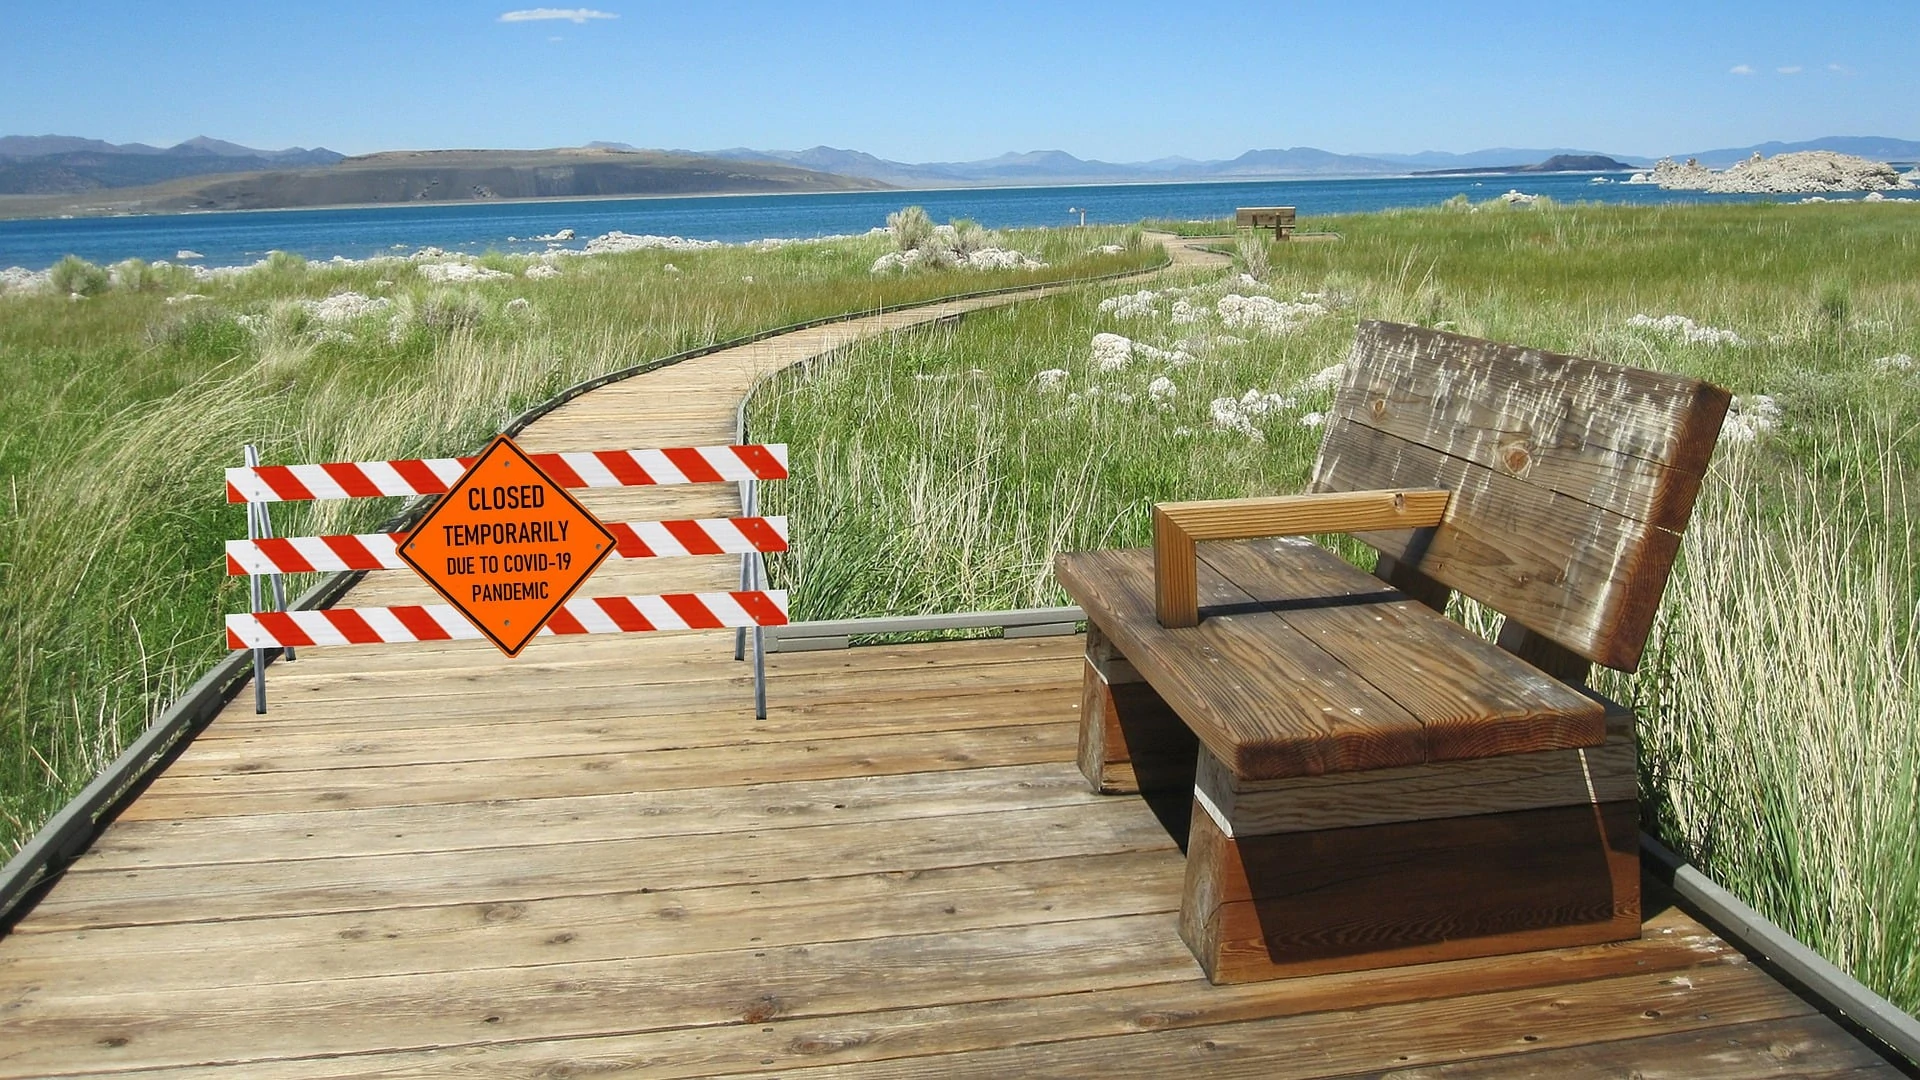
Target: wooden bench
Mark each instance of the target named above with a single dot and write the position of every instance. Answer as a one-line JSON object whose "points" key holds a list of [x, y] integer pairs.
{"points": [[1373, 785], [1277, 218]]}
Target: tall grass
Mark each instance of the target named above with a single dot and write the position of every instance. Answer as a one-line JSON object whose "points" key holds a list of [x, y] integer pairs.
{"points": [[943, 471], [1780, 712], [122, 409]]}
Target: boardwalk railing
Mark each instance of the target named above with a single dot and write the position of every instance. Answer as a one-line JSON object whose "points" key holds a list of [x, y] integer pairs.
{"points": [[262, 555]]}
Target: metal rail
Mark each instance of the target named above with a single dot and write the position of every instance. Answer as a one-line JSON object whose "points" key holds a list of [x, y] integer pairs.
{"points": [[1756, 933]]}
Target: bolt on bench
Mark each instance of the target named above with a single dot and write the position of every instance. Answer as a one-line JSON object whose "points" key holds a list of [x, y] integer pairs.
{"points": [[1372, 784]]}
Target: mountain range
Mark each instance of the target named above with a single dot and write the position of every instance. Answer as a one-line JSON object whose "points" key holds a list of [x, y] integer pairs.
{"points": [[58, 164], [1059, 167], [62, 173]]}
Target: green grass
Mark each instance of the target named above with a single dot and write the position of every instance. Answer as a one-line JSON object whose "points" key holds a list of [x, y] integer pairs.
{"points": [[122, 408], [1780, 700]]}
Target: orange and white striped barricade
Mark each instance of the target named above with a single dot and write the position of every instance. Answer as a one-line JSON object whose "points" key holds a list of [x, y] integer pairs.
{"points": [[262, 555]]}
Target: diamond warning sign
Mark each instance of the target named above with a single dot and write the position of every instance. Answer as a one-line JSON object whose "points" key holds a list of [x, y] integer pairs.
{"points": [[507, 546]]}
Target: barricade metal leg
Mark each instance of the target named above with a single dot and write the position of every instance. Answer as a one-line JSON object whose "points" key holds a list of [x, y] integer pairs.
{"points": [[252, 458], [279, 581]]}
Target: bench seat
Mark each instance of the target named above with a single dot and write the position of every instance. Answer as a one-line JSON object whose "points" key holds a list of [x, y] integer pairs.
{"points": [[1303, 665]]}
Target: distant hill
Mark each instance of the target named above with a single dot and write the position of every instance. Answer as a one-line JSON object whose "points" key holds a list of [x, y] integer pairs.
{"points": [[1499, 157], [56, 164], [1555, 164], [1866, 146], [1060, 167], [449, 176]]}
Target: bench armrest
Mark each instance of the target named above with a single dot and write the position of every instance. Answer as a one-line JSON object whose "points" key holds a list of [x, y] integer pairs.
{"points": [[1177, 526]]}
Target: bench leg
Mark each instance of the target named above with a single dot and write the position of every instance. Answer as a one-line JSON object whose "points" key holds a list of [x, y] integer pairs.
{"points": [[1130, 740], [1355, 897]]}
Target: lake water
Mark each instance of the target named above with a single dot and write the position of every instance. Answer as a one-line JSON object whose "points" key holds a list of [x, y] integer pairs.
{"points": [[237, 238]]}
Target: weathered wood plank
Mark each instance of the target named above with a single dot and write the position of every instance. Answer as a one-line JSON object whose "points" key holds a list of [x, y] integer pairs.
{"points": [[1252, 689], [1130, 740], [1800, 1047], [49, 1030], [1178, 1003], [1629, 441], [504, 823], [202, 894], [185, 796], [1496, 1025], [628, 925], [786, 1043], [1472, 699], [1583, 576], [626, 727], [1603, 774]]}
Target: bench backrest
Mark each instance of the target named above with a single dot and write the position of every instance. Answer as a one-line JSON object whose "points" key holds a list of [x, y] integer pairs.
{"points": [[1263, 217], [1572, 479]]}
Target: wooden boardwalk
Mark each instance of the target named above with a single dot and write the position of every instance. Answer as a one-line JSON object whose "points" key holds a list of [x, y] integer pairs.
{"points": [[427, 861]]}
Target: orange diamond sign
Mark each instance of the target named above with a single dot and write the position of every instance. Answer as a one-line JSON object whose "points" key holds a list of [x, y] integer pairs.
{"points": [[507, 546]]}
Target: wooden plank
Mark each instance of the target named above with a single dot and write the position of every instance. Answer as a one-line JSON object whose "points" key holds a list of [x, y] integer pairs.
{"points": [[623, 727], [904, 1038], [1629, 441], [1263, 907], [1254, 690], [1492, 1025], [1588, 578], [1178, 526], [628, 925], [1473, 700], [1800, 1047], [499, 824], [201, 894], [50, 1031], [182, 796], [1130, 740], [1604, 774]]}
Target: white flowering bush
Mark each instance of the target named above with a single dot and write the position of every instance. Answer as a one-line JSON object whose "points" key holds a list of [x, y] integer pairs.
{"points": [[1750, 418], [1681, 328]]}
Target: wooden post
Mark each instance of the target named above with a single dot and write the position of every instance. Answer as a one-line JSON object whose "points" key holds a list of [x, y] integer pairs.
{"points": [[1130, 739]]}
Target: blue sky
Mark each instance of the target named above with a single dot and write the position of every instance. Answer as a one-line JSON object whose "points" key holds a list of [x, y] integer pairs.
{"points": [[1120, 80]]}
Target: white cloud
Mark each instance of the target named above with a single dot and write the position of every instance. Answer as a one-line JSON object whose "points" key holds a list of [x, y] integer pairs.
{"points": [[572, 15], [1840, 69], [1791, 69], [1740, 69]]}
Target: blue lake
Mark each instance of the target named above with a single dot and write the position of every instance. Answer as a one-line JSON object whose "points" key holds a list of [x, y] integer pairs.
{"points": [[237, 238]]}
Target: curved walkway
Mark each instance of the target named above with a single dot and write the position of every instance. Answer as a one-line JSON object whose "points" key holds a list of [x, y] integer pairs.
{"points": [[425, 861]]}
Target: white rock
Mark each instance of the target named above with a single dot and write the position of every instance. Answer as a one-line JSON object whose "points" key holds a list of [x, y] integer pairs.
{"points": [[519, 305], [1265, 313], [21, 279], [1162, 391], [1895, 364], [1313, 420], [1137, 305], [1050, 379], [617, 241], [1750, 418], [346, 306], [539, 271], [1796, 173], [460, 272], [1327, 378], [186, 298], [1685, 329], [1111, 352], [187, 253]]}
